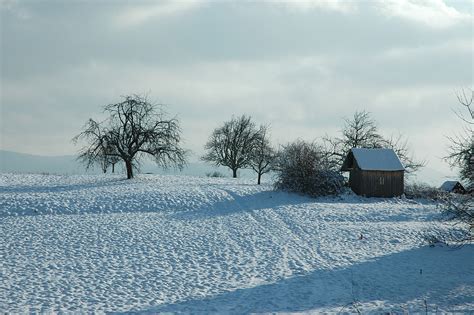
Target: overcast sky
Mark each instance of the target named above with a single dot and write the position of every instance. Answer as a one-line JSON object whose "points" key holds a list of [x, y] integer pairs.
{"points": [[299, 66]]}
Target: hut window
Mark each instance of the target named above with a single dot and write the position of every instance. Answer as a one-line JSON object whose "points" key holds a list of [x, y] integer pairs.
{"points": [[381, 180]]}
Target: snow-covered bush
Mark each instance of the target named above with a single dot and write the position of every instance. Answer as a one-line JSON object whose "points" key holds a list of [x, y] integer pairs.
{"points": [[302, 168]]}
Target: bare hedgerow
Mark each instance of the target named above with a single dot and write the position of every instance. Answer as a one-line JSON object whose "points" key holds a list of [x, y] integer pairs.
{"points": [[301, 167], [424, 191]]}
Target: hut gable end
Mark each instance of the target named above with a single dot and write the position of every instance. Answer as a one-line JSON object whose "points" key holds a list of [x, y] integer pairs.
{"points": [[349, 163], [453, 186]]}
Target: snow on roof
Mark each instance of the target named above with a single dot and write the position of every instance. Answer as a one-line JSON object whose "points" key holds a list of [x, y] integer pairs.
{"points": [[449, 185], [377, 159]]}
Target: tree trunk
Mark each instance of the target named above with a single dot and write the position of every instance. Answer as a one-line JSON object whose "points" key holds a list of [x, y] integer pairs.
{"points": [[128, 165], [234, 173], [113, 167], [259, 177]]}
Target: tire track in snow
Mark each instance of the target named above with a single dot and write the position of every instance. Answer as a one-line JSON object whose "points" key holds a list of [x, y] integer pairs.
{"points": [[285, 241]]}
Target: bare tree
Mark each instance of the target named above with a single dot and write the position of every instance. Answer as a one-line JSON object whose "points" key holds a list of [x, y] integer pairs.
{"points": [[262, 155], [361, 131], [466, 101], [461, 150], [231, 145], [96, 150], [134, 129], [461, 154], [399, 144]]}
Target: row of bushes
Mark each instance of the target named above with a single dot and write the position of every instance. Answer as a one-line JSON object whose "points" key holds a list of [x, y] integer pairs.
{"points": [[302, 167], [424, 191]]}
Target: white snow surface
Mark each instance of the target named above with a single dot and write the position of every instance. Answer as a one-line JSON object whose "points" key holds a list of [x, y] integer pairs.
{"points": [[377, 159], [205, 245]]}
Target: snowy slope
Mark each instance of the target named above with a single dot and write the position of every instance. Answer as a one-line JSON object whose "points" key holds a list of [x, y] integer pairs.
{"points": [[200, 245]]}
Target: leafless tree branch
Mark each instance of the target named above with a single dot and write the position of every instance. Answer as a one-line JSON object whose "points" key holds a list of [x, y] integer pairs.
{"points": [[135, 128], [231, 145]]}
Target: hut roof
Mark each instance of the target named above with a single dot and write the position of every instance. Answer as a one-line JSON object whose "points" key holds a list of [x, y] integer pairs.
{"points": [[449, 185], [373, 160]]}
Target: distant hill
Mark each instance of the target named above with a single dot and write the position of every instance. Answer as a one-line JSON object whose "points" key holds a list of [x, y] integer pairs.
{"points": [[14, 162]]}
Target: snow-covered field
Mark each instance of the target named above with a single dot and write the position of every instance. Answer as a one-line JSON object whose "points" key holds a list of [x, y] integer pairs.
{"points": [[206, 245]]}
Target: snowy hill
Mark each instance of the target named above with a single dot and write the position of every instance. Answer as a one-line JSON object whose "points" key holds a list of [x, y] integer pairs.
{"points": [[93, 243]]}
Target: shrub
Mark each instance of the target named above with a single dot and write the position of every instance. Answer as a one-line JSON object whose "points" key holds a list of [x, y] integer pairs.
{"points": [[302, 168], [215, 174], [425, 191]]}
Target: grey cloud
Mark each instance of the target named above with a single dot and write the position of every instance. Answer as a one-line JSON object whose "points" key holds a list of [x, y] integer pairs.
{"points": [[58, 36], [300, 70]]}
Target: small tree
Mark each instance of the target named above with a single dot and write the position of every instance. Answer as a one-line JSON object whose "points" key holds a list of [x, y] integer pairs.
{"points": [[135, 128], [112, 161], [231, 145], [111, 157], [262, 155], [301, 167]]}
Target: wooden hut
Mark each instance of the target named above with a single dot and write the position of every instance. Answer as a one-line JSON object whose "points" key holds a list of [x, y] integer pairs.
{"points": [[453, 186], [374, 172]]}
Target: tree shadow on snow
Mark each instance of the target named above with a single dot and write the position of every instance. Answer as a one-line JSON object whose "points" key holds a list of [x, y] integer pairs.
{"points": [[233, 202], [273, 199], [441, 276], [244, 203]]}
